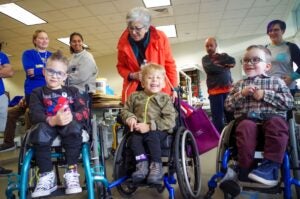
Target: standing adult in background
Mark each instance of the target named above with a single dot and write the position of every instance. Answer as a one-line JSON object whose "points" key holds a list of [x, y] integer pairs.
{"points": [[82, 68], [284, 54], [219, 81], [141, 43], [34, 60], [6, 70]]}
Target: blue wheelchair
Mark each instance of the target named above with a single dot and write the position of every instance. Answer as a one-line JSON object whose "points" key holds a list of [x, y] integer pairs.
{"points": [[290, 168], [180, 156], [92, 158]]}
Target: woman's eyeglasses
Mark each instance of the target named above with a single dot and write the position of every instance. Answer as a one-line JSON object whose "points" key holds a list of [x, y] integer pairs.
{"points": [[137, 29], [51, 72], [252, 61]]}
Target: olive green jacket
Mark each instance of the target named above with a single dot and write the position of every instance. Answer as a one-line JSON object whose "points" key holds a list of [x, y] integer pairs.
{"points": [[156, 110]]}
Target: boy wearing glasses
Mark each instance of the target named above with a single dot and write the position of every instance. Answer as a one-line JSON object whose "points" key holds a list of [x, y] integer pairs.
{"points": [[264, 99], [56, 110]]}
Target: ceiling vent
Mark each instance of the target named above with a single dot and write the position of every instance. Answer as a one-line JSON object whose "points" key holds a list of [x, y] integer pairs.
{"points": [[161, 11]]}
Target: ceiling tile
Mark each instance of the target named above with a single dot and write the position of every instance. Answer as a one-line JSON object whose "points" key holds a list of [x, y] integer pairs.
{"points": [[238, 4], [186, 9], [76, 12], [100, 9]]}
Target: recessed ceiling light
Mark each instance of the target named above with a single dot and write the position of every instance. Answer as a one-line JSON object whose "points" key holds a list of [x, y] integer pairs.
{"points": [[169, 30], [66, 40], [20, 14], [156, 3]]}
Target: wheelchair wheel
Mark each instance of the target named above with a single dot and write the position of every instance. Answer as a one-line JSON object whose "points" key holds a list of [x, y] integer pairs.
{"points": [[187, 164], [223, 145], [32, 172], [121, 169], [294, 151]]}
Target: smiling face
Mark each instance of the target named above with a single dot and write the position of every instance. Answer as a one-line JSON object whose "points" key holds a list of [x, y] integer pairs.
{"points": [[76, 43], [255, 62], [137, 30], [55, 74], [153, 82], [276, 33]]}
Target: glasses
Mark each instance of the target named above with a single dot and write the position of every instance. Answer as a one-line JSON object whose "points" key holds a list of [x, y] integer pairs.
{"points": [[252, 61], [137, 29], [51, 72]]}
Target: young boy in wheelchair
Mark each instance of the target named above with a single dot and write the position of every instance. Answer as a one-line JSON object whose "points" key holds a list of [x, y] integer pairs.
{"points": [[150, 116], [56, 110], [259, 98]]}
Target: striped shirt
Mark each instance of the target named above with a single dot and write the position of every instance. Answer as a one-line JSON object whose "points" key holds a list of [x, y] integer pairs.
{"points": [[277, 98]]}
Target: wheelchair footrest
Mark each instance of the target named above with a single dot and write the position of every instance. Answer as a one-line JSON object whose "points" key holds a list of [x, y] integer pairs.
{"points": [[261, 188]]}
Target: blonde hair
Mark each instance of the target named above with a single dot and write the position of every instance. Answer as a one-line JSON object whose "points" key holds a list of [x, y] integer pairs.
{"points": [[36, 34], [151, 67]]}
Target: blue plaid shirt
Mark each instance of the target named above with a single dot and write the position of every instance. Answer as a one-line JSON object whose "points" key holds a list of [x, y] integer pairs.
{"points": [[277, 98]]}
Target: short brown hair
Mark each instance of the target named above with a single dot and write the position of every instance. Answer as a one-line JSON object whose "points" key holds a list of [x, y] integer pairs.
{"points": [[267, 52], [58, 56]]}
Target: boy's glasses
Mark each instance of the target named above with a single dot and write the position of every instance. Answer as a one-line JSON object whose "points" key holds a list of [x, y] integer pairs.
{"points": [[137, 29], [51, 72], [252, 61]]}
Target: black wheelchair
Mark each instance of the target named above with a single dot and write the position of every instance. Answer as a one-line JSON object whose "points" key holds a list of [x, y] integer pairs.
{"points": [[290, 168], [179, 155]]}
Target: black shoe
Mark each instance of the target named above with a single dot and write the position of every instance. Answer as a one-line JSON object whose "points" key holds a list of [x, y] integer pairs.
{"points": [[7, 147], [4, 171]]}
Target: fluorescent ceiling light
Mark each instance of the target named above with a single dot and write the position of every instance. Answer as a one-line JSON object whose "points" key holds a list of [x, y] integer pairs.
{"points": [[20, 14], [169, 30], [66, 40], [156, 3]]}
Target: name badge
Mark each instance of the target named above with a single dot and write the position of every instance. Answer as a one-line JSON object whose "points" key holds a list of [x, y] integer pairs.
{"points": [[39, 66]]}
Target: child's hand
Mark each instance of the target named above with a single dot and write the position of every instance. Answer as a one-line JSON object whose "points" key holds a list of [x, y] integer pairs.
{"points": [[63, 117], [287, 79], [131, 122], [258, 94], [248, 90], [142, 127]]}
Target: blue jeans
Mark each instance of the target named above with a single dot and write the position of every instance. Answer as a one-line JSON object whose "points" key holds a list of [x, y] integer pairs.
{"points": [[218, 112]]}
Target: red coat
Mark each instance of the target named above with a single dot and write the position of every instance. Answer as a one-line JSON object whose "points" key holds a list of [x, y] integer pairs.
{"points": [[158, 51]]}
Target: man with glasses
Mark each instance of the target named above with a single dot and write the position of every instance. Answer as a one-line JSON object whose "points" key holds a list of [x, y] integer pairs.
{"points": [[141, 43], [284, 54], [219, 81]]}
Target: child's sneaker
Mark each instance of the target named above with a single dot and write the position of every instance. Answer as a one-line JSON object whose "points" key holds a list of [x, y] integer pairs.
{"points": [[46, 185], [266, 173], [155, 174], [72, 182], [141, 171]]}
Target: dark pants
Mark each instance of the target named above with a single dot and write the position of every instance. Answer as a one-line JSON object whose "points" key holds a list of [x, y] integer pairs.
{"points": [[42, 136], [13, 115], [276, 139], [151, 141], [218, 112]]}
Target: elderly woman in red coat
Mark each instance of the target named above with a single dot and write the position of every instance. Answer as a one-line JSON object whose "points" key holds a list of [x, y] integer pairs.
{"points": [[141, 43]]}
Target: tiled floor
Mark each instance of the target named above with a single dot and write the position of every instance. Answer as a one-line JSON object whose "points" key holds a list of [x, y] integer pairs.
{"points": [[9, 160]]}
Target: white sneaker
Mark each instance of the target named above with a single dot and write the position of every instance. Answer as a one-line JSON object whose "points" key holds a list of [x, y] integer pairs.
{"points": [[45, 186], [72, 183]]}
